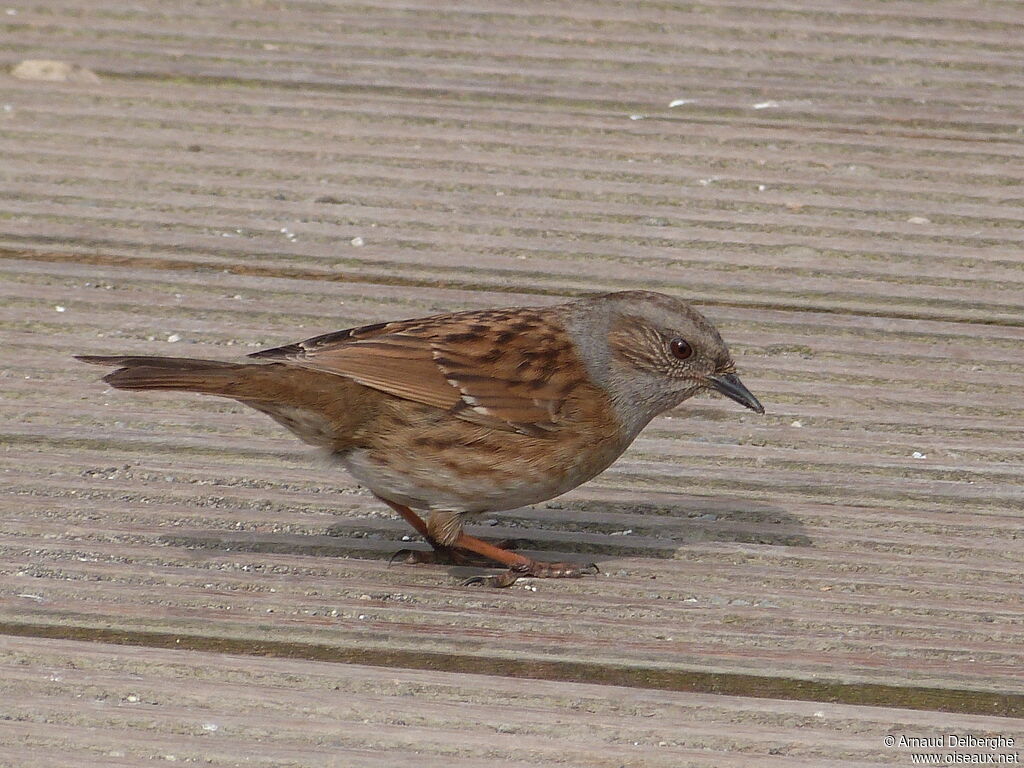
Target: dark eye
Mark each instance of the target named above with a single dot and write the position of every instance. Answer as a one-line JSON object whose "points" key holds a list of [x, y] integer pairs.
{"points": [[680, 349]]}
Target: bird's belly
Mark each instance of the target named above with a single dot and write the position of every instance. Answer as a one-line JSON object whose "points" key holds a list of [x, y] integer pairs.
{"points": [[479, 480]]}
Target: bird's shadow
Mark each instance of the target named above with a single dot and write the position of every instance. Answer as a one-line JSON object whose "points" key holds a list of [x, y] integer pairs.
{"points": [[677, 520], [572, 529], [656, 529], [597, 530]]}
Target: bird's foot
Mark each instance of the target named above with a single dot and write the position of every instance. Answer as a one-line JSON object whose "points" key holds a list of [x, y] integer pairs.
{"points": [[535, 569], [439, 554]]}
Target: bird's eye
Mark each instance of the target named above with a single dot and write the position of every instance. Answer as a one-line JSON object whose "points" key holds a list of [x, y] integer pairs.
{"points": [[680, 348]]}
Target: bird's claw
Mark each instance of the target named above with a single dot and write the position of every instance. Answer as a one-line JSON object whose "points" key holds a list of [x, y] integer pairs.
{"points": [[535, 569], [439, 555], [413, 557]]}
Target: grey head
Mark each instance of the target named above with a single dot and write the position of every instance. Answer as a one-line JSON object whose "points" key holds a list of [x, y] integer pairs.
{"points": [[650, 352]]}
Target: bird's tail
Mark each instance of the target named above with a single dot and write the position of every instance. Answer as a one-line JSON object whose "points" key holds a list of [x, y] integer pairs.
{"points": [[321, 408], [210, 377]]}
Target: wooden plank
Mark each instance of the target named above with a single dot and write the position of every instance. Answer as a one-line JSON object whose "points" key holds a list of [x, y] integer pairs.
{"points": [[839, 193], [111, 705]]}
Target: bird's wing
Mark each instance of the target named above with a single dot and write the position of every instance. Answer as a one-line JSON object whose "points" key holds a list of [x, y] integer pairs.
{"points": [[505, 369]]}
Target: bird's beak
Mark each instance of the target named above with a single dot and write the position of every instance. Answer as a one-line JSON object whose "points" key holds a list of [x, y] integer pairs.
{"points": [[729, 384]]}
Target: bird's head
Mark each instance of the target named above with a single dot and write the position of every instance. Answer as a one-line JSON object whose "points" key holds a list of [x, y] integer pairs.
{"points": [[660, 351]]}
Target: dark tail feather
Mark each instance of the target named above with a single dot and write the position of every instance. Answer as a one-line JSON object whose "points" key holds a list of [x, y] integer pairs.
{"points": [[321, 408], [210, 377]]}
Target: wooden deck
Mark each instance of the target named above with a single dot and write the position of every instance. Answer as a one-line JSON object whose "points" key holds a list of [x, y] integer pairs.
{"points": [[841, 192]]}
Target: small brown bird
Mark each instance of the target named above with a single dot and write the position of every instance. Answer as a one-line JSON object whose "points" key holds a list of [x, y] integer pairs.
{"points": [[473, 412]]}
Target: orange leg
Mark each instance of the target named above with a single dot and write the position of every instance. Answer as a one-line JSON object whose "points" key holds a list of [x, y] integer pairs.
{"points": [[441, 554], [409, 516], [491, 552], [518, 565]]}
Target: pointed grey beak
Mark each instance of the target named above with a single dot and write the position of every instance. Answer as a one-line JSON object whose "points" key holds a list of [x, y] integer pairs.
{"points": [[729, 384]]}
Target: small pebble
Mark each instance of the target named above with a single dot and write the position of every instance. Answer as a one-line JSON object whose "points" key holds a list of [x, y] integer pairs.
{"points": [[918, 220], [637, 117], [680, 102], [796, 424], [766, 105], [358, 241], [174, 337], [918, 455], [59, 308]]}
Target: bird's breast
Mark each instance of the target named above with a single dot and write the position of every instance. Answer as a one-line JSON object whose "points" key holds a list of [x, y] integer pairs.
{"points": [[426, 458]]}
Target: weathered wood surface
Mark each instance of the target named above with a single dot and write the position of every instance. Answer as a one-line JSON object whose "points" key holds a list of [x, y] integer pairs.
{"points": [[109, 705], [842, 197]]}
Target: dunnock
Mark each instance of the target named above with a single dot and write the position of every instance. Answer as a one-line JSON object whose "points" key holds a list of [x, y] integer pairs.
{"points": [[473, 412]]}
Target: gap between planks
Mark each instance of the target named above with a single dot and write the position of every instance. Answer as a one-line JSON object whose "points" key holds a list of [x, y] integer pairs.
{"points": [[961, 701], [299, 273]]}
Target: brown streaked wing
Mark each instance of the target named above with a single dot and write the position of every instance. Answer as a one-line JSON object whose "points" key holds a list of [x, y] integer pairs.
{"points": [[505, 369], [379, 356], [289, 351], [520, 370]]}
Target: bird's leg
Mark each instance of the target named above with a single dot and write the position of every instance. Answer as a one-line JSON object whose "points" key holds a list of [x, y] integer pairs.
{"points": [[440, 554], [469, 550], [518, 565], [409, 516]]}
